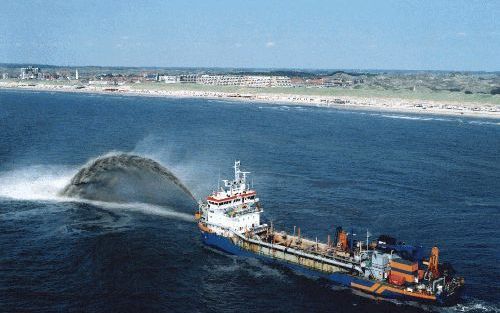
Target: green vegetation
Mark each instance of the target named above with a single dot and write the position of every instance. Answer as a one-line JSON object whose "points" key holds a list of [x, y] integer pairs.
{"points": [[365, 92]]}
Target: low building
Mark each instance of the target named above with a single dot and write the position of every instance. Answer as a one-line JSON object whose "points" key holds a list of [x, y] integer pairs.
{"points": [[152, 77], [220, 80], [169, 79], [189, 78], [253, 81], [281, 81], [101, 82], [342, 80], [30, 72]]}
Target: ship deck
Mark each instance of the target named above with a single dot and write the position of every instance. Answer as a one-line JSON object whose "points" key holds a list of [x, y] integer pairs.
{"points": [[305, 245]]}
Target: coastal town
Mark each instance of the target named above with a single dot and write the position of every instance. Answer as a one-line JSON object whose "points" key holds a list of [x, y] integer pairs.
{"points": [[252, 80], [473, 94], [250, 156]]}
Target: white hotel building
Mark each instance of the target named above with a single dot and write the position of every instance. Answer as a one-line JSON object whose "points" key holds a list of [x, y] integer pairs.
{"points": [[244, 81]]}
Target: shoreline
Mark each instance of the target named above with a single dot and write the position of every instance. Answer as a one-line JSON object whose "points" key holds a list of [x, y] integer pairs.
{"points": [[374, 104]]}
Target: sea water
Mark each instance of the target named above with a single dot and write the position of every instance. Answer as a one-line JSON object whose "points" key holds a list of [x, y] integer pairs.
{"points": [[427, 180]]}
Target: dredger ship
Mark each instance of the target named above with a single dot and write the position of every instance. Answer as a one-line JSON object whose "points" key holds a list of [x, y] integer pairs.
{"points": [[230, 220]]}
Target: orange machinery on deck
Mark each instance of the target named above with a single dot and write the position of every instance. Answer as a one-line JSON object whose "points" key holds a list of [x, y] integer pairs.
{"points": [[402, 271], [342, 240], [433, 262]]}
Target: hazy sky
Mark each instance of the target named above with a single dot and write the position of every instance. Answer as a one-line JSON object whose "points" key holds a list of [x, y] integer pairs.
{"points": [[448, 35]]}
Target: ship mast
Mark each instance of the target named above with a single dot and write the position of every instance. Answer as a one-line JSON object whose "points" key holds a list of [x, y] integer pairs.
{"points": [[240, 178], [367, 238]]}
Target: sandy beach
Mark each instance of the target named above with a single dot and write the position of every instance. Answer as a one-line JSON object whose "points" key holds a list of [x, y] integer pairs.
{"points": [[399, 105]]}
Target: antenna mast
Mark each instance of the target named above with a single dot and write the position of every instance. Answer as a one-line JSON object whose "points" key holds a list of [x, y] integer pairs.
{"points": [[218, 182], [367, 236]]}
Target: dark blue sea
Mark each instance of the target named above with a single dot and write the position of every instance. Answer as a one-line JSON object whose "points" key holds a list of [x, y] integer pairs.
{"points": [[429, 180]]}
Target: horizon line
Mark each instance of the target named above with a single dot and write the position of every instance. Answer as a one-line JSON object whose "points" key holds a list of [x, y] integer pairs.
{"points": [[253, 68]]}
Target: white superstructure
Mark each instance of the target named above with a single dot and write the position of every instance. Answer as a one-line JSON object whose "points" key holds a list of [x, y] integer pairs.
{"points": [[233, 206], [254, 81]]}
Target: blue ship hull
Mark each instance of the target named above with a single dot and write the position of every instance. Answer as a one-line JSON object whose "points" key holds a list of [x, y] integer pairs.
{"points": [[372, 288]]}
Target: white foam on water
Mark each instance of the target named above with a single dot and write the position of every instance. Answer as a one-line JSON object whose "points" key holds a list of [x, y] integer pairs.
{"points": [[283, 107], [484, 123], [251, 267], [472, 306], [416, 118], [38, 182], [393, 116], [435, 118]]}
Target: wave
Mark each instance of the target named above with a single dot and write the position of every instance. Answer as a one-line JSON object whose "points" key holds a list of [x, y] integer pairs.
{"points": [[472, 306], [433, 118], [416, 118], [284, 108], [250, 267], [484, 123]]}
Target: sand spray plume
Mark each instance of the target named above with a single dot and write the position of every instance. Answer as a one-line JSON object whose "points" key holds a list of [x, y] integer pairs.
{"points": [[121, 177], [145, 208], [115, 181], [196, 169]]}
